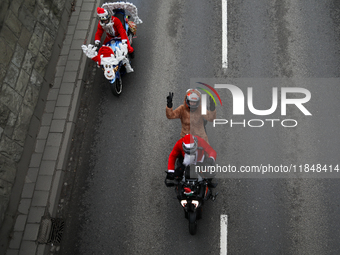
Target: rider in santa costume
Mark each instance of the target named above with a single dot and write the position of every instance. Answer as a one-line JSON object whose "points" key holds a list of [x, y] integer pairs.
{"points": [[191, 149], [113, 28]]}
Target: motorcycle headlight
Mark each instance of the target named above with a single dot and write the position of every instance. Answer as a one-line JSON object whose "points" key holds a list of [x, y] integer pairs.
{"points": [[195, 203], [183, 203]]}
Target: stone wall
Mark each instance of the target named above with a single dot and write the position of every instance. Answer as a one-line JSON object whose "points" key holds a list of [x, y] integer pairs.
{"points": [[31, 36]]}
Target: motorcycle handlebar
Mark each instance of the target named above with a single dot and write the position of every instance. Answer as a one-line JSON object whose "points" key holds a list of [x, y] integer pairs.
{"points": [[170, 183]]}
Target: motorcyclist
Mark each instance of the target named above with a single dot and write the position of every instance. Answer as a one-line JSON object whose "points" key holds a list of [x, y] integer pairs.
{"points": [[113, 27], [190, 113], [190, 150]]}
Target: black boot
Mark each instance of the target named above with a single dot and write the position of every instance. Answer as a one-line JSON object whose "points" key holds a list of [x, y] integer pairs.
{"points": [[213, 197]]}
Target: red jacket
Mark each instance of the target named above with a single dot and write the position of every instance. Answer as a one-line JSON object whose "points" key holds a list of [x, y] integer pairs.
{"points": [[178, 150], [116, 30]]}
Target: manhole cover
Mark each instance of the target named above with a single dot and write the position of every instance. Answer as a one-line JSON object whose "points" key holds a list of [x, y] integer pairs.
{"points": [[57, 230], [51, 230]]}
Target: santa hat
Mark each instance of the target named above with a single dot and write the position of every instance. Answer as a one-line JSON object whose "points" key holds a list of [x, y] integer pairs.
{"points": [[188, 191], [104, 51], [102, 13]]}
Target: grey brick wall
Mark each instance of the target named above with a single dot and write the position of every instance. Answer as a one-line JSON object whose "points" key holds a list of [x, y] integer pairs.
{"points": [[31, 36]]}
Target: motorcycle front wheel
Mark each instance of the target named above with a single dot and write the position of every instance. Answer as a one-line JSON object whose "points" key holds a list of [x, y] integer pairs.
{"points": [[192, 223], [117, 86]]}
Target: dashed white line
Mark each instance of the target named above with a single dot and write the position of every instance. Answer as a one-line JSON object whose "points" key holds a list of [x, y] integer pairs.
{"points": [[224, 34], [224, 234]]}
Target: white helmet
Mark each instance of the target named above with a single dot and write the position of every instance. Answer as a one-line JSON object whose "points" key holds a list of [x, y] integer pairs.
{"points": [[103, 15], [192, 99]]}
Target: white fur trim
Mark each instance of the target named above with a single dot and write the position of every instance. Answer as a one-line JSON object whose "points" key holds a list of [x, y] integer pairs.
{"points": [[189, 145], [131, 8], [190, 159], [103, 15]]}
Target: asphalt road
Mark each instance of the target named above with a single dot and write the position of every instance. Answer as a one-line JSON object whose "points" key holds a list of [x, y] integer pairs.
{"points": [[114, 200]]}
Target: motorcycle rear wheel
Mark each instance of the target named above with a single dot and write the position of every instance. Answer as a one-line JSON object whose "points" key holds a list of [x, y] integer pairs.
{"points": [[192, 223], [117, 86]]}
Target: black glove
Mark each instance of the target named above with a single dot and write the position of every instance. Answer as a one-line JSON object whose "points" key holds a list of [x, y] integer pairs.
{"points": [[210, 161], [212, 104], [179, 171], [170, 176], [169, 99]]}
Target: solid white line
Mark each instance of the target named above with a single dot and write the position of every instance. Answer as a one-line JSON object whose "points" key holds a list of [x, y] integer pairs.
{"points": [[224, 34], [224, 234]]}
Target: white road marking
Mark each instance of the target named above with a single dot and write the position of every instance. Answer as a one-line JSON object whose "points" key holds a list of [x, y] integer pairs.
{"points": [[224, 234], [224, 34]]}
